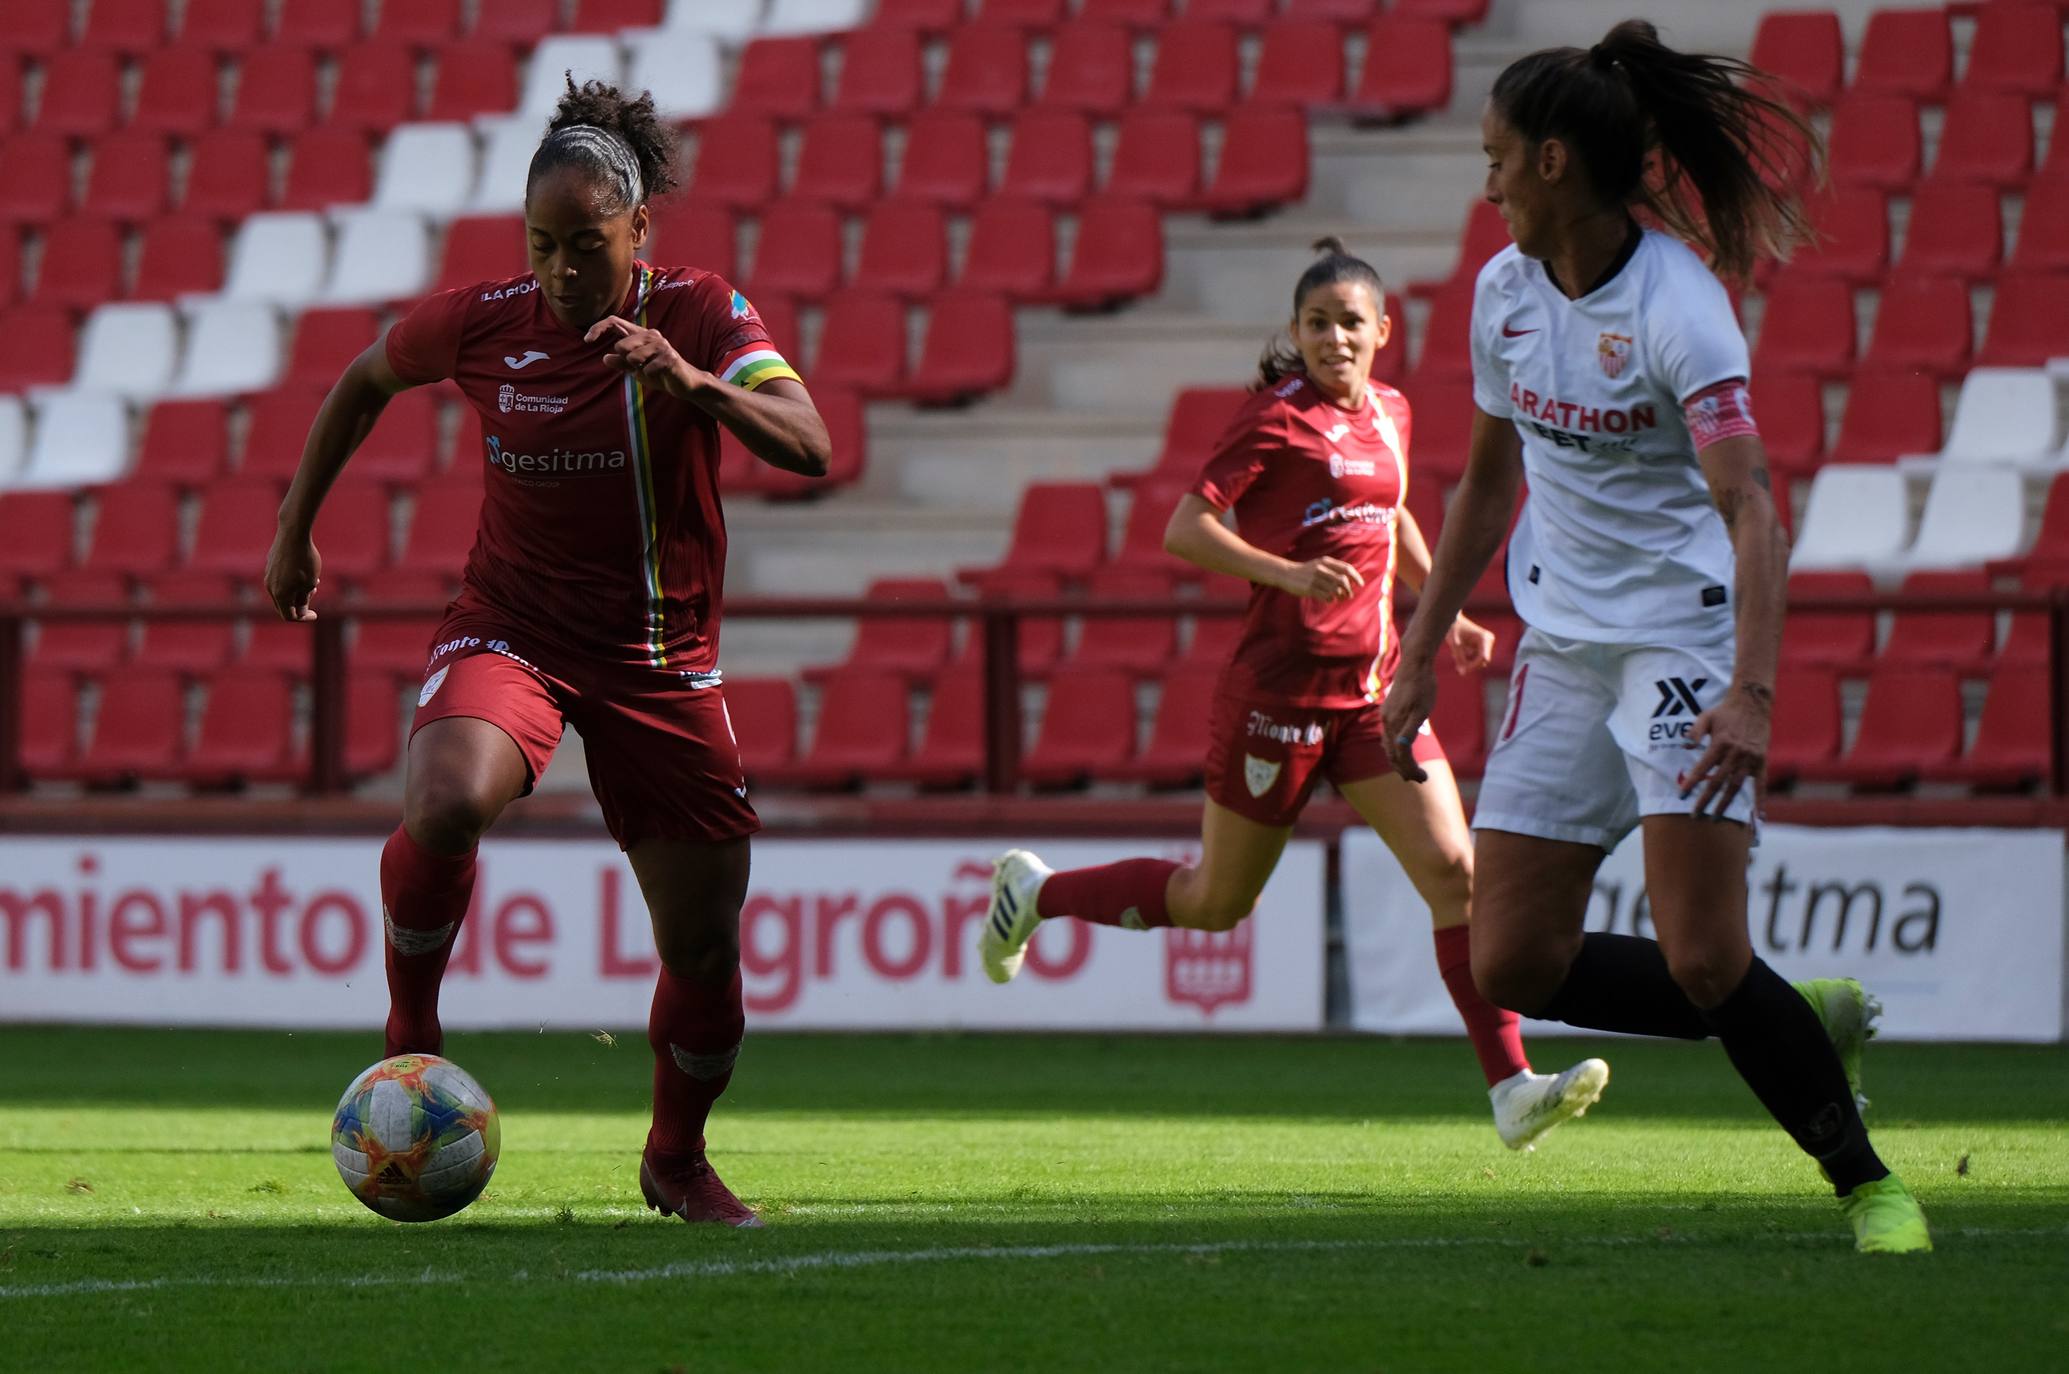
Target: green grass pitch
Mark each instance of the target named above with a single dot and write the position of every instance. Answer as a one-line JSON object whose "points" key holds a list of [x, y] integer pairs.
{"points": [[167, 1201]]}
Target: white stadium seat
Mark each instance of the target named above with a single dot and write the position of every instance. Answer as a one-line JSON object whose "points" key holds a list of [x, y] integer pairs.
{"points": [[428, 168], [814, 16], [280, 257], [82, 439], [128, 349], [233, 347], [545, 80], [505, 161], [2005, 415], [731, 23], [1975, 513], [14, 438], [383, 255], [683, 70], [1858, 514]]}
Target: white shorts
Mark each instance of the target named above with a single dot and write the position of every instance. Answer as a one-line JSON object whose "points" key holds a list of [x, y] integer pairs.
{"points": [[1598, 735]]}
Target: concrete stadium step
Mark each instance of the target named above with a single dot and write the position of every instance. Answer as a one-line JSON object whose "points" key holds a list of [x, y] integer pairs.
{"points": [[980, 459]]}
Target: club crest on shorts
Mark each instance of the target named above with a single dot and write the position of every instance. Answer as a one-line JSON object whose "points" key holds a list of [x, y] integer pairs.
{"points": [[1259, 774], [1613, 351], [432, 684], [1208, 968]]}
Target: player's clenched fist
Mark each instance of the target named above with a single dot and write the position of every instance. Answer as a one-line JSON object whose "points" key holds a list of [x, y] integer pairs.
{"points": [[1324, 579], [294, 570], [647, 354]]}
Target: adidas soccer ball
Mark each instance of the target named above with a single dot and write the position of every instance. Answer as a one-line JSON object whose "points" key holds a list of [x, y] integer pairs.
{"points": [[415, 1138]]}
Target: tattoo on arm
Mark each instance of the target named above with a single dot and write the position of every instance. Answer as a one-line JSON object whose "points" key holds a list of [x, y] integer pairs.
{"points": [[1760, 476]]}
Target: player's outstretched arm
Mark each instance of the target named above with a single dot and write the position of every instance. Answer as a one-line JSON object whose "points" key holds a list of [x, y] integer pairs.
{"points": [[1197, 534], [293, 567]]}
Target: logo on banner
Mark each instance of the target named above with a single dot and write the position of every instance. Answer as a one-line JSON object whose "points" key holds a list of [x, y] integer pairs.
{"points": [[1259, 775], [1208, 968], [1613, 351], [432, 684]]}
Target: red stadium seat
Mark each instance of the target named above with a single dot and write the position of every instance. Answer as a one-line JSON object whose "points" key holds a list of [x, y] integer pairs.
{"points": [[608, 16], [276, 91], [705, 236], [1195, 68], [1923, 324], [912, 649], [1299, 64], [1911, 723], [778, 78], [431, 25], [38, 182], [139, 730], [1791, 407], [862, 342], [862, 733], [82, 91], [374, 717], [986, 72], [519, 23], [1091, 69], [10, 266], [779, 319], [880, 72], [1157, 159], [1908, 53], [2016, 48], [328, 167], [1264, 162], [1960, 640], [279, 427], [129, 178], [246, 733], [185, 442], [403, 446], [1447, 338], [1138, 645], [135, 530], [1890, 413], [1348, 13], [82, 265], [1060, 529], [352, 530], [736, 162], [1215, 637], [1987, 137], [36, 29], [1415, 76], [2046, 563], [236, 526], [226, 175], [49, 724], [1142, 533], [1142, 15], [89, 646], [1198, 416], [1957, 229], [442, 527], [325, 341], [1459, 720], [1176, 754], [1805, 736], [1250, 14], [397, 647], [182, 256], [1088, 726], [2043, 245], [1874, 142], [2025, 641], [35, 347], [476, 76], [846, 434], [316, 23], [1011, 250], [842, 161], [132, 27], [2029, 323], [2007, 751], [1852, 225], [1808, 327], [35, 535], [933, 17], [945, 159], [376, 88], [1118, 256], [1037, 15], [191, 647], [10, 95], [275, 648], [223, 26], [482, 248], [967, 350], [1051, 158], [1805, 51], [798, 250], [764, 715], [951, 750], [1443, 411], [904, 248], [178, 93]]}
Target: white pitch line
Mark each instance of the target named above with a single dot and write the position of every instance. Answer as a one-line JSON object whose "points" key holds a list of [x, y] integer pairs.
{"points": [[870, 1259]]}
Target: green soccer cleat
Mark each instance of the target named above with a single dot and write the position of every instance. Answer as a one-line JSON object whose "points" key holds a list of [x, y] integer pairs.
{"points": [[1886, 1219], [1849, 1014]]}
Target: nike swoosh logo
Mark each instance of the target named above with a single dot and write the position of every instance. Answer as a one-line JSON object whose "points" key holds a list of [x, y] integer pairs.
{"points": [[1506, 333], [531, 355]]}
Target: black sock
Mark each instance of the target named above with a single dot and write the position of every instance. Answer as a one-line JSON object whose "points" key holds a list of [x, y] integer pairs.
{"points": [[1779, 1046], [1621, 983]]}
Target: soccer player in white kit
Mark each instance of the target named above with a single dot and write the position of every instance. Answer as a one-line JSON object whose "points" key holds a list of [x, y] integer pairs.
{"points": [[1650, 569]]}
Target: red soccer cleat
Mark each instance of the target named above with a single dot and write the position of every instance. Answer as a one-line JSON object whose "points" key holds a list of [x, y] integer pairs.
{"points": [[687, 1186]]}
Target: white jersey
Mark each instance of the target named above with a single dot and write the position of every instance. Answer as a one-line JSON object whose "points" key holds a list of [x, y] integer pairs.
{"points": [[1619, 542]]}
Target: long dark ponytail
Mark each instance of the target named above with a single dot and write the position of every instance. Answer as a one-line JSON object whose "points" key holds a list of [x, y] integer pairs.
{"points": [[1727, 155], [1333, 263]]}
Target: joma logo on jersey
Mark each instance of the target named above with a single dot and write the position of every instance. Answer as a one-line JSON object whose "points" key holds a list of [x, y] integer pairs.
{"points": [[559, 462]]}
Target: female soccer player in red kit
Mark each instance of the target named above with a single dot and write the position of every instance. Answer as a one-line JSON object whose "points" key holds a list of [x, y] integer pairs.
{"points": [[592, 594], [1315, 467]]}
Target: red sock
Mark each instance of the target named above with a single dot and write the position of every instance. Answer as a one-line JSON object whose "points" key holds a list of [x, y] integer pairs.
{"points": [[695, 1031], [424, 897], [1497, 1035], [1129, 893]]}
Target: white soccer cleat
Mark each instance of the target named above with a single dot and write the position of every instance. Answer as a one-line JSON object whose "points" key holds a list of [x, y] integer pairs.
{"points": [[1016, 876], [1527, 1104]]}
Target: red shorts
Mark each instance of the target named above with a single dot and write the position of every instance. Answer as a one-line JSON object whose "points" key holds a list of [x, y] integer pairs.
{"points": [[1264, 757], [662, 759]]}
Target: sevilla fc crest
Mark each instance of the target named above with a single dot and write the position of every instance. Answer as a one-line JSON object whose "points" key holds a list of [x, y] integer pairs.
{"points": [[1209, 968], [1259, 774], [1613, 352]]}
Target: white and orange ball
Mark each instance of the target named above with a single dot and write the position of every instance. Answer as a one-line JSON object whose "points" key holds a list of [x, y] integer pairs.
{"points": [[415, 1138]]}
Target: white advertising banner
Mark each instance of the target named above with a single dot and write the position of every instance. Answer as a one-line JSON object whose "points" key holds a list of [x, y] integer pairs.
{"points": [[835, 934], [1958, 931]]}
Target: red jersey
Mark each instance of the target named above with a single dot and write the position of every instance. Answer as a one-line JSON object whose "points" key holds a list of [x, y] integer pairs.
{"points": [[1308, 479], [600, 517]]}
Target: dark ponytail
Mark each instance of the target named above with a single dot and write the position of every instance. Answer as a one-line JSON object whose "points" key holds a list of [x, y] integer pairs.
{"points": [[622, 143], [1335, 263], [1725, 153]]}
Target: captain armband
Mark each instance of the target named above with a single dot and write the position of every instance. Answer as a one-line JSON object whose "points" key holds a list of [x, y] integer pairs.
{"points": [[1720, 412]]}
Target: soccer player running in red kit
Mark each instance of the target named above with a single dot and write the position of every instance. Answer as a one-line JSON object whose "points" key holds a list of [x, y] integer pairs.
{"points": [[591, 597], [1314, 468]]}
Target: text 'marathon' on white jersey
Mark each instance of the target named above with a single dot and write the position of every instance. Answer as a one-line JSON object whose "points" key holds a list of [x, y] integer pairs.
{"points": [[1619, 541]]}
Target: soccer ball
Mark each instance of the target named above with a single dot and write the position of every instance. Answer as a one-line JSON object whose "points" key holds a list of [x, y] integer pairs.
{"points": [[415, 1138]]}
